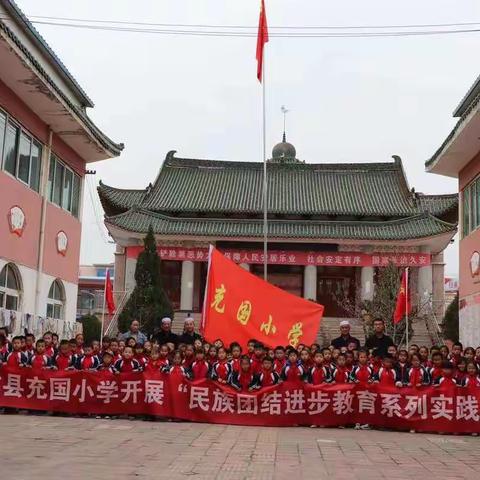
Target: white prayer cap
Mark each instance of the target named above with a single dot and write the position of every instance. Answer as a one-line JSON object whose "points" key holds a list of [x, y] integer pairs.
{"points": [[344, 323], [189, 319], [166, 320]]}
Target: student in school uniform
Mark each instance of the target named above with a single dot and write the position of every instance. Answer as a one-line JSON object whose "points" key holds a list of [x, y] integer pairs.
{"points": [[471, 379], [64, 358], [221, 369], [362, 372], [200, 367], [244, 380], [16, 358], [280, 359], [87, 361], [127, 363], [236, 352], [386, 375], [318, 374], [267, 376], [447, 379], [293, 370], [417, 375], [40, 360], [340, 373]]}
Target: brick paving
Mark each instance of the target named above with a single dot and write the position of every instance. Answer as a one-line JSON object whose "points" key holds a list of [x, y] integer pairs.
{"points": [[79, 448]]}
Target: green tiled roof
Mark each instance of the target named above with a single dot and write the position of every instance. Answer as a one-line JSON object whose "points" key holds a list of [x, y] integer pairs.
{"points": [[190, 186], [437, 204], [419, 226]]}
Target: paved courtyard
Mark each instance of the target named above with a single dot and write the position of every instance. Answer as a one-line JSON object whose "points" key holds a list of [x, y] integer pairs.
{"points": [[75, 448]]}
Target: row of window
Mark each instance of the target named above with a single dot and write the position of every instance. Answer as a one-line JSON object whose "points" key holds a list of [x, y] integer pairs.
{"points": [[21, 157], [11, 291], [63, 186], [471, 207], [22, 154]]}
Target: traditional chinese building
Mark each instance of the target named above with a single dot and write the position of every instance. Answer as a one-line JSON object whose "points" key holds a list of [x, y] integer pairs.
{"points": [[330, 226], [46, 142], [459, 157]]}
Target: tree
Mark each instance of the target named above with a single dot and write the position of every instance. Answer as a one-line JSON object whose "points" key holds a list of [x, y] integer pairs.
{"points": [[91, 328], [148, 302], [384, 302], [450, 321]]}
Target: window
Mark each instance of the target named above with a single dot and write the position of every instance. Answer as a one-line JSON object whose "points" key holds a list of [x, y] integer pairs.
{"points": [[11, 149], [9, 287], [3, 124], [21, 153], [55, 301], [63, 186], [24, 151], [471, 207]]}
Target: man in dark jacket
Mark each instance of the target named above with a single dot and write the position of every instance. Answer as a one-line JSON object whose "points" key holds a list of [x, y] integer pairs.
{"points": [[345, 338], [379, 341], [165, 335], [189, 335]]}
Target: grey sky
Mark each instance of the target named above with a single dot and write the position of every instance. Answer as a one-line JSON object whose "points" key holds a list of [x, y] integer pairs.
{"points": [[350, 99]]}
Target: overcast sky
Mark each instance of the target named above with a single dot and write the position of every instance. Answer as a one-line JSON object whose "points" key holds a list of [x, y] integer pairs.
{"points": [[351, 100]]}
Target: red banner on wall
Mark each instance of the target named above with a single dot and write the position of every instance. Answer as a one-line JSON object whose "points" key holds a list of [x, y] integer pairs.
{"points": [[286, 257], [240, 306], [425, 409]]}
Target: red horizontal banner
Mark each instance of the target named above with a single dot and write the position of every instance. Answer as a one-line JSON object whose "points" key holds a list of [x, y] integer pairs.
{"points": [[426, 409], [281, 257]]}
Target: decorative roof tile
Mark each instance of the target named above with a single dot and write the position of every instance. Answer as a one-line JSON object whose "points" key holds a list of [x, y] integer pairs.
{"points": [[212, 187], [138, 220]]}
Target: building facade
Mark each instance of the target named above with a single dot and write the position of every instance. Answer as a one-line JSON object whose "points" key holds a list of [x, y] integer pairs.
{"points": [[46, 142], [459, 157], [91, 289], [331, 227]]}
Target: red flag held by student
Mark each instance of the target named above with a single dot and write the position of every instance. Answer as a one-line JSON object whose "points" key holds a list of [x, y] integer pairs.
{"points": [[262, 39], [403, 300], [109, 295], [240, 306]]}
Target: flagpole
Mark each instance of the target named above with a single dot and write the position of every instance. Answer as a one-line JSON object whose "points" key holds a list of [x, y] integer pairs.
{"points": [[406, 306], [265, 192], [103, 309]]}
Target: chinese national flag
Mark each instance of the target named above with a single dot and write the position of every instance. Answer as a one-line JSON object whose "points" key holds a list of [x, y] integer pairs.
{"points": [[109, 294], [240, 306], [403, 301], [262, 39]]}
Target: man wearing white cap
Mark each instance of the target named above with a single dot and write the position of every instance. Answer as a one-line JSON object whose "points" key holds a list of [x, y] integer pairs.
{"points": [[165, 335], [345, 338], [189, 335]]}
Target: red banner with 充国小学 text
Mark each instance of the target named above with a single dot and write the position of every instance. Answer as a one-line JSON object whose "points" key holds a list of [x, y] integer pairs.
{"points": [[240, 306], [424, 409]]}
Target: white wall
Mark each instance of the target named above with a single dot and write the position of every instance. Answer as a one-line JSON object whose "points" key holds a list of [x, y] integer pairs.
{"points": [[27, 302]]}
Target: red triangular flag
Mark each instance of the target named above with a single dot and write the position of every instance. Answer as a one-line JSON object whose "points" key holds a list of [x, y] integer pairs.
{"points": [[403, 306], [262, 39], [109, 295]]}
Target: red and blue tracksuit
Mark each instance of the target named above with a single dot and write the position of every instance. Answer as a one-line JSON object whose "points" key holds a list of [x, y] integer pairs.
{"points": [[318, 375], [221, 371], [292, 372]]}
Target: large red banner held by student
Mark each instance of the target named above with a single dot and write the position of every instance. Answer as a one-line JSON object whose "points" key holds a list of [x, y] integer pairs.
{"points": [[240, 306]]}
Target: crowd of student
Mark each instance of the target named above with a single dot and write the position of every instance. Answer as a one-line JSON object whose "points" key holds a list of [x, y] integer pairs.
{"points": [[252, 369]]}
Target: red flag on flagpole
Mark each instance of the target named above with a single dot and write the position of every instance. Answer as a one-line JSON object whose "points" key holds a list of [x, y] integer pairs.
{"points": [[403, 306], [239, 306], [262, 39], [109, 294]]}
